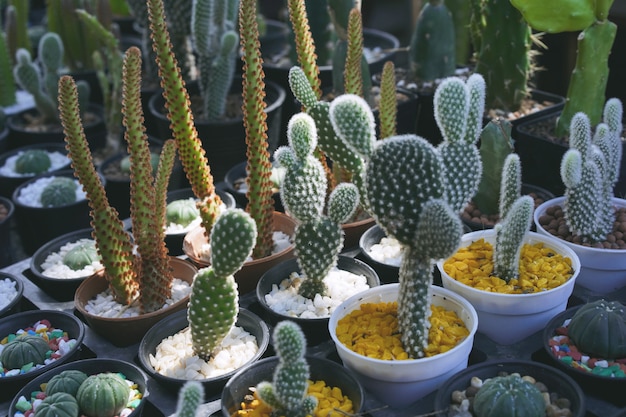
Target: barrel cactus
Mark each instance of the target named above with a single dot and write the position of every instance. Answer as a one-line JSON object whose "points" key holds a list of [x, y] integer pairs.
{"points": [[67, 382], [599, 328], [61, 191], [59, 404], [287, 393], [24, 350], [33, 161], [103, 395], [181, 212], [83, 254], [509, 396]]}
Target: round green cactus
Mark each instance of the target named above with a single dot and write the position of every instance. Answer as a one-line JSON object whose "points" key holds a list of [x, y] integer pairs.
{"points": [[60, 404], [509, 396], [60, 191], [103, 395], [181, 212], [24, 350], [599, 328], [81, 255], [67, 382], [33, 161]]}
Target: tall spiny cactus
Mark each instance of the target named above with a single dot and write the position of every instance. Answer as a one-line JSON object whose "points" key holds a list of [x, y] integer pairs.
{"points": [[589, 170], [147, 272], [190, 397], [260, 202], [432, 53], [214, 300], [516, 212], [215, 38], [287, 393], [318, 237], [191, 153], [507, 68], [16, 27], [305, 45], [7, 85], [458, 109], [388, 105]]}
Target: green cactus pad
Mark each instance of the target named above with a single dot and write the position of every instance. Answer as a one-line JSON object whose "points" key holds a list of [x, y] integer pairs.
{"points": [[33, 161], [60, 191], [343, 202], [232, 239]]}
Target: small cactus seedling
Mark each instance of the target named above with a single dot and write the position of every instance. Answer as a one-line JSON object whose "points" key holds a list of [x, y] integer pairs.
{"points": [[509, 396], [287, 393], [190, 397], [589, 170], [61, 191], [181, 212], [33, 161], [213, 304], [81, 255]]}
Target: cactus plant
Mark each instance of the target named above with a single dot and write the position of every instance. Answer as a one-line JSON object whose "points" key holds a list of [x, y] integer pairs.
{"points": [[587, 85], [190, 396], [599, 328], [287, 393], [213, 303], [7, 87], [23, 350], [411, 195], [589, 170], [59, 404], [60, 191], [33, 161], [103, 395], [81, 255], [181, 212], [509, 396], [145, 271], [318, 238], [67, 381]]}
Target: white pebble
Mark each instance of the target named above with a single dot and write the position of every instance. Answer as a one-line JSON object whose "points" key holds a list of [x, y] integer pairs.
{"points": [[8, 291]]}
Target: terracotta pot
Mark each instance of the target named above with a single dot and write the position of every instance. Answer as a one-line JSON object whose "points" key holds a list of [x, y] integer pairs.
{"points": [[125, 331], [248, 276]]}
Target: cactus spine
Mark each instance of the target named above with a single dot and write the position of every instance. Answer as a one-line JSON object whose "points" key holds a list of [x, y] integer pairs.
{"points": [[432, 52], [589, 170], [318, 237], [213, 304], [287, 393], [213, 30], [190, 397], [516, 212], [147, 272]]}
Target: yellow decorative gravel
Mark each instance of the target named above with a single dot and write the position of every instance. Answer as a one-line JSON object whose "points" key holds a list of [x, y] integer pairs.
{"points": [[372, 331], [541, 269], [330, 403]]}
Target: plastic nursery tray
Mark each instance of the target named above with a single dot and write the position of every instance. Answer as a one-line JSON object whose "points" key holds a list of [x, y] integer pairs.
{"points": [[161, 401]]}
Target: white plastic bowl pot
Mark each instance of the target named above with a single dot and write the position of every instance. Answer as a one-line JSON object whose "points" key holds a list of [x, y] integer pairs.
{"points": [[602, 270], [508, 318], [400, 383]]}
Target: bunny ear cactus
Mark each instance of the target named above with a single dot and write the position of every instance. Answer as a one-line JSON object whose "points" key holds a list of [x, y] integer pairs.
{"points": [[458, 109], [587, 86], [318, 238], [213, 304], [406, 196], [589, 171], [287, 393]]}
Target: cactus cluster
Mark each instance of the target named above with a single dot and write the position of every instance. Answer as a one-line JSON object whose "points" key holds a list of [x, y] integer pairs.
{"points": [[287, 393], [214, 300], [416, 192], [589, 170], [318, 237]]}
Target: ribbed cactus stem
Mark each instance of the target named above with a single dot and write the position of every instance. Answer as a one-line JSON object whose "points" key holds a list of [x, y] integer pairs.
{"points": [[510, 233], [190, 396], [305, 44], [213, 303], [388, 106], [287, 393], [510, 183]]}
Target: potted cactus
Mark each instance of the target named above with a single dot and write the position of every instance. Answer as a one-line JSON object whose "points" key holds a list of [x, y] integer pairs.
{"points": [[143, 276], [587, 216]]}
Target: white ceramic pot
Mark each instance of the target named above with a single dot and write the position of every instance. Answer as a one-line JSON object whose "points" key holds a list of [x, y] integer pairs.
{"points": [[400, 383], [508, 318], [602, 270]]}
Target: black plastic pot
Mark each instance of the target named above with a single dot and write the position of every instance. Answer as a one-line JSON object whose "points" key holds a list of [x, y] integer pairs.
{"points": [[13, 305], [225, 141], [91, 367], [593, 384], [38, 225], [176, 322], [61, 289], [6, 224], [174, 241], [555, 380], [237, 175], [75, 329], [321, 369], [315, 329], [386, 272], [8, 184]]}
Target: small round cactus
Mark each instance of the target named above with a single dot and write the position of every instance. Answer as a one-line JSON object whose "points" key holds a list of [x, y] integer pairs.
{"points": [[509, 396], [60, 404], [33, 161], [103, 395], [24, 350], [181, 212], [67, 382], [81, 255], [60, 191], [599, 328]]}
